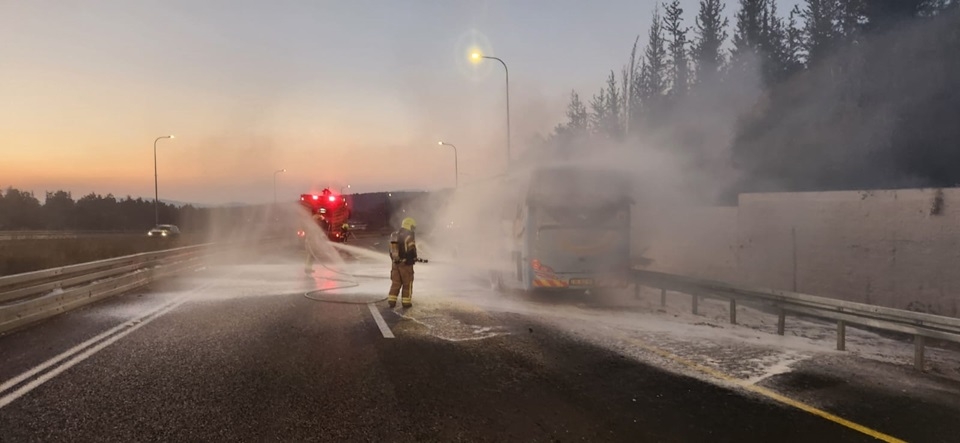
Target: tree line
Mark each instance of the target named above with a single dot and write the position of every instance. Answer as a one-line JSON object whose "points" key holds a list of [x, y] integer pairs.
{"points": [[21, 210], [833, 94]]}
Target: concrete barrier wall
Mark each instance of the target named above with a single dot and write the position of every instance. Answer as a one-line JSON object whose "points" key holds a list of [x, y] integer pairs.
{"points": [[693, 241], [892, 248]]}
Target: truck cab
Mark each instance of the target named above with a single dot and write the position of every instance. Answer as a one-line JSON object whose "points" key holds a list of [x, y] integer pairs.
{"points": [[330, 211]]}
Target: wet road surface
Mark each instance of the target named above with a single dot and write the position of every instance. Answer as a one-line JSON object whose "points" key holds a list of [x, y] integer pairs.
{"points": [[236, 352]]}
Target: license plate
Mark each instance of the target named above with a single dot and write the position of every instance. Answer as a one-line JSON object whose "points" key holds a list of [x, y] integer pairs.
{"points": [[581, 282]]}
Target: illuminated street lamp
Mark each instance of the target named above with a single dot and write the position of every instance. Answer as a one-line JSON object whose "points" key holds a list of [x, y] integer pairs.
{"points": [[477, 57], [275, 184], [456, 163], [341, 189], [156, 191]]}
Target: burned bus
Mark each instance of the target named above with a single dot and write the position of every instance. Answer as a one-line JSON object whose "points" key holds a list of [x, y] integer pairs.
{"points": [[570, 230]]}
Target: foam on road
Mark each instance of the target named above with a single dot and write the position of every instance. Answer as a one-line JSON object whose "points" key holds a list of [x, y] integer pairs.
{"points": [[251, 357]]}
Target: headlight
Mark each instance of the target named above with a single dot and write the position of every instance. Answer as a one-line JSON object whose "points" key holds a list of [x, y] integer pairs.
{"points": [[163, 234]]}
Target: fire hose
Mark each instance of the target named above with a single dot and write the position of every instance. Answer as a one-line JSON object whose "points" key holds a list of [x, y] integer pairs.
{"points": [[345, 283]]}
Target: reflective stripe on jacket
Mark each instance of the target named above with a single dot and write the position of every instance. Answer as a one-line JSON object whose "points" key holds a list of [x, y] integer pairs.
{"points": [[406, 247]]}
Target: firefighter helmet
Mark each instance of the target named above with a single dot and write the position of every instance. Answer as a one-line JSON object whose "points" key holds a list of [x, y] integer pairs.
{"points": [[409, 224]]}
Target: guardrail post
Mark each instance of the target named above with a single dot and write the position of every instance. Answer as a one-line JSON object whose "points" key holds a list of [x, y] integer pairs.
{"points": [[918, 352], [733, 311], [781, 322], [921, 326], [841, 335]]}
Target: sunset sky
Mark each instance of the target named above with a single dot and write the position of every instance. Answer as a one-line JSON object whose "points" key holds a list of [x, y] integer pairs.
{"points": [[349, 92]]}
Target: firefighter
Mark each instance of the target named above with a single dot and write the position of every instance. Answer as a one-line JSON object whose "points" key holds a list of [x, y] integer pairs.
{"points": [[403, 252], [344, 232], [320, 220]]}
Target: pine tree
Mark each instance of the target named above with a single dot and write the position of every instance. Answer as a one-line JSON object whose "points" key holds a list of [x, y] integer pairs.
{"points": [[820, 30], [750, 29], [850, 18], [653, 74], [679, 62], [656, 57], [795, 42], [640, 94], [625, 77], [711, 31], [881, 13], [632, 101], [578, 120], [780, 58], [598, 112], [613, 126], [762, 35]]}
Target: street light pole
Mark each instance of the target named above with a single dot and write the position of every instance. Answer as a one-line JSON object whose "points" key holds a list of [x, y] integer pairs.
{"points": [[456, 163], [341, 189], [156, 188], [275, 184], [477, 56]]}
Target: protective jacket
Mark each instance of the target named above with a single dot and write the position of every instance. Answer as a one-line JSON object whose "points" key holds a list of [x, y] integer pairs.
{"points": [[322, 221], [406, 250]]}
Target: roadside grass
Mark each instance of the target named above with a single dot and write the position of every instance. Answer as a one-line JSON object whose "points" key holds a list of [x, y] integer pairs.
{"points": [[26, 255], [18, 256]]}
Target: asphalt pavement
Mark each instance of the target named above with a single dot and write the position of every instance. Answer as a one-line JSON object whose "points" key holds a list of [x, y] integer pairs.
{"points": [[236, 352]]}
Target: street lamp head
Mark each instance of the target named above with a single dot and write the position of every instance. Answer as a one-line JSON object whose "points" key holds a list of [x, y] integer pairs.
{"points": [[476, 56], [440, 143], [171, 136]]}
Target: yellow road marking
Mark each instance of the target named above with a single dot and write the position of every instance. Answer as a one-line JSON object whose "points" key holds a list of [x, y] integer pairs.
{"points": [[767, 393]]}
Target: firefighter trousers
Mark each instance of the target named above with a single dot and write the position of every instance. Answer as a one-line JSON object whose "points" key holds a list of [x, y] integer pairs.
{"points": [[308, 266], [401, 283]]}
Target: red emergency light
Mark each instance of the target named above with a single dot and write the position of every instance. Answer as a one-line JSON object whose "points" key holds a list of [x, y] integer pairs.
{"points": [[323, 199]]}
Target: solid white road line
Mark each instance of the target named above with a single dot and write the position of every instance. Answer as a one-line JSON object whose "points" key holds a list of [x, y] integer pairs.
{"points": [[7, 399], [69, 352], [134, 323], [384, 329]]}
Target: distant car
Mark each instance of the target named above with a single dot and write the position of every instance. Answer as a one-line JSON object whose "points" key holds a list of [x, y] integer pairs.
{"points": [[357, 225], [164, 231]]}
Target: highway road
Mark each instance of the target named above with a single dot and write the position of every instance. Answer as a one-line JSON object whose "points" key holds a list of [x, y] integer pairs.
{"points": [[254, 350]]}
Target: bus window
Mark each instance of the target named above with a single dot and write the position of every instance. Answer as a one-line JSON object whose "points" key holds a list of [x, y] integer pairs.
{"points": [[585, 216]]}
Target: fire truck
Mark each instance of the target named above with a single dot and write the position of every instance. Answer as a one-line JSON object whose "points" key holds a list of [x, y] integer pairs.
{"points": [[330, 211]]}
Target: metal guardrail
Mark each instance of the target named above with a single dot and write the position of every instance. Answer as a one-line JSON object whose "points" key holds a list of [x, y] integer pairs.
{"points": [[918, 324], [33, 296]]}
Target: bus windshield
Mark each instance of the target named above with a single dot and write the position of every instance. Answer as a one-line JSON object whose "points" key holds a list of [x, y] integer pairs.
{"points": [[578, 188], [583, 216]]}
